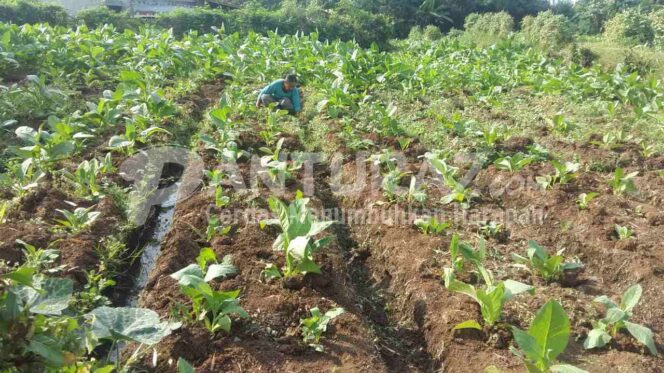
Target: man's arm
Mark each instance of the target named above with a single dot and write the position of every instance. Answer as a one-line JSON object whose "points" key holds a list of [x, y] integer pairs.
{"points": [[267, 90], [297, 106]]}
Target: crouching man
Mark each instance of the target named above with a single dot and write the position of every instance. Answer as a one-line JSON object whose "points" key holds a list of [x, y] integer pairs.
{"points": [[284, 93]]}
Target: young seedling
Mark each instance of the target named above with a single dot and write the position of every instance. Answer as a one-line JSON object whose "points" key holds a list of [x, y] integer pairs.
{"points": [[416, 193], [390, 184], [545, 340], [513, 163], [584, 199], [459, 193], [216, 178], [461, 252], [209, 306], [622, 183], [431, 225], [312, 328], [404, 143], [617, 318], [78, 220], [85, 177], [539, 261], [276, 166], [22, 178], [560, 124], [215, 228], [490, 229], [624, 233], [647, 150], [564, 173], [297, 239], [491, 297]]}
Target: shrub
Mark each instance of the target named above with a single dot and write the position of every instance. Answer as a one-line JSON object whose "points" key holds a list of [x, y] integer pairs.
{"points": [[657, 22], [415, 33], [432, 32], [28, 11], [639, 60], [454, 33], [630, 27], [99, 16], [197, 19], [547, 30], [582, 56], [489, 24]]}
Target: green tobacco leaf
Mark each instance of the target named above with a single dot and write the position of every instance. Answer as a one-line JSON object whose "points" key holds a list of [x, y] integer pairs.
{"points": [[596, 338], [184, 366], [224, 270], [130, 324], [468, 324], [455, 285], [643, 335], [605, 301], [513, 288], [206, 256], [551, 329], [491, 302], [528, 344], [631, 298], [190, 275]]}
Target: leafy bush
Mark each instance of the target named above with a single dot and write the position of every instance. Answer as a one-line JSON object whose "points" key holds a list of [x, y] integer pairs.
{"points": [[630, 27], [344, 21], [495, 24], [28, 11], [432, 32], [657, 22], [99, 16], [579, 55], [197, 19], [547, 30]]}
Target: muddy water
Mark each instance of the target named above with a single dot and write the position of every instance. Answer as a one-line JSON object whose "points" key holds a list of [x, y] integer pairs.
{"points": [[152, 249]]}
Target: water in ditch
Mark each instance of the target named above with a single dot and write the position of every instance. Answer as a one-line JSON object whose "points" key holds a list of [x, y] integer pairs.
{"points": [[152, 249]]}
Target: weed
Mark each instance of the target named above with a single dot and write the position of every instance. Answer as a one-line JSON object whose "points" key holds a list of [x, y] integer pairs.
{"points": [[313, 327]]}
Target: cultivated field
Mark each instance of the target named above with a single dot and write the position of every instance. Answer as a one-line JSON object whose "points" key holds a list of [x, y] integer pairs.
{"points": [[434, 198]]}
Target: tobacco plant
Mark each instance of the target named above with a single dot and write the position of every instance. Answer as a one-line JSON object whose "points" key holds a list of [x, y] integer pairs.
{"points": [[564, 173], [313, 327], [622, 183], [213, 308], [616, 319], [513, 163], [297, 240], [431, 225], [584, 199], [544, 341], [276, 166], [491, 297], [78, 220], [623, 233], [538, 260]]}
